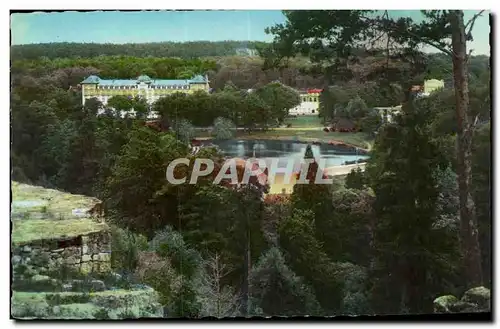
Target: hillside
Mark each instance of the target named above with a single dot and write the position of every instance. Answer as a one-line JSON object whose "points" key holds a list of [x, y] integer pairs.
{"points": [[157, 49]]}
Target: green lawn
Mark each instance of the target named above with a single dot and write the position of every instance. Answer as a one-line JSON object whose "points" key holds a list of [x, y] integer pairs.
{"points": [[309, 121]]}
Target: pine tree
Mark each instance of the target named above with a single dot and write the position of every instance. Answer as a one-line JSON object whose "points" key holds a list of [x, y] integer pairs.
{"points": [[413, 257], [276, 290], [307, 259]]}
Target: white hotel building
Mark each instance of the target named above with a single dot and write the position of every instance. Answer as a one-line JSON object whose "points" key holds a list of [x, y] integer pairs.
{"points": [[143, 86], [309, 103]]}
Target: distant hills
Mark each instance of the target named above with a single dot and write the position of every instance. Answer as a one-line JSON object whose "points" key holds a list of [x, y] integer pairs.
{"points": [[185, 50]]}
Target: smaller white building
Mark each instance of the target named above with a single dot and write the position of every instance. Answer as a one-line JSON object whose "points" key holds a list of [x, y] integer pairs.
{"points": [[151, 114], [309, 104], [387, 113]]}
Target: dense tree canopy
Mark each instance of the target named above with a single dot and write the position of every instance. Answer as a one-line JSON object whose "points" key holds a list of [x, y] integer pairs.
{"points": [[158, 49]]}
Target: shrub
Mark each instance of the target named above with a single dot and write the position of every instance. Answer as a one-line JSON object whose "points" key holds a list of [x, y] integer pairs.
{"points": [[184, 130], [125, 246], [67, 298], [170, 244], [75, 311], [223, 128], [101, 314], [29, 305], [158, 272]]}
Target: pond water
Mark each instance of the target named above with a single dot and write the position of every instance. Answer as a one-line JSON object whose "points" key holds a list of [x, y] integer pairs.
{"points": [[285, 150]]}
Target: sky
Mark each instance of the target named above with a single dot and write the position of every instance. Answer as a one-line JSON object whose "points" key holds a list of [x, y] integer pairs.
{"points": [[178, 26]]}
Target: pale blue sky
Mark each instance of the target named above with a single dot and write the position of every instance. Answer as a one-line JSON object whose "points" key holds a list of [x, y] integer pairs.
{"points": [[138, 27]]}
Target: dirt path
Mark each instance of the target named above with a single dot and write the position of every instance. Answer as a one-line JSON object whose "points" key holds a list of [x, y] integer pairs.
{"points": [[343, 170]]}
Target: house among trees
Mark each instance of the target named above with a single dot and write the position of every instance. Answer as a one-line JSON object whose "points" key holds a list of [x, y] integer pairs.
{"points": [[158, 125], [309, 103], [432, 85], [387, 113], [344, 125]]}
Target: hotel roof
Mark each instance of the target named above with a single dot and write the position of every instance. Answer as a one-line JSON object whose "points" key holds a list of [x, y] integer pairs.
{"points": [[94, 79]]}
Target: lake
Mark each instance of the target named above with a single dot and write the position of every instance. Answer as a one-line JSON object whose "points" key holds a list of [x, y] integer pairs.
{"points": [[285, 150]]}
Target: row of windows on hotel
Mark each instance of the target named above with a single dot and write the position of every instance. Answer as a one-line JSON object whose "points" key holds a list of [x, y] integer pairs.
{"points": [[134, 87], [105, 98], [309, 99]]}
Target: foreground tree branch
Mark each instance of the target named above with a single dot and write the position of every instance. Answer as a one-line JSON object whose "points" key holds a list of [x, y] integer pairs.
{"points": [[471, 22]]}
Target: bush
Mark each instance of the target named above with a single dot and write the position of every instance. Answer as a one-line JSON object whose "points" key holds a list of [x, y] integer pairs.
{"points": [[223, 128], [67, 298], [170, 244], [159, 274], [29, 305], [125, 246], [101, 314], [75, 311], [184, 130], [356, 179]]}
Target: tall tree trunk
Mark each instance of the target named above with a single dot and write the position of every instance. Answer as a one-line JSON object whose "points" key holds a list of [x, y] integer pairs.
{"points": [[468, 220], [246, 268]]}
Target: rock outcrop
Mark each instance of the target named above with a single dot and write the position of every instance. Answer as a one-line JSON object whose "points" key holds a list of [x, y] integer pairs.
{"points": [[474, 300]]}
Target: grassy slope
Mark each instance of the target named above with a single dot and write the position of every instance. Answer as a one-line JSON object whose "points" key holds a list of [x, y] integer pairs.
{"points": [[51, 203], [309, 121], [140, 303], [55, 207], [25, 231]]}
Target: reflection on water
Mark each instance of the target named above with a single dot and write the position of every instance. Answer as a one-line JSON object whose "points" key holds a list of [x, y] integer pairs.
{"points": [[285, 150]]}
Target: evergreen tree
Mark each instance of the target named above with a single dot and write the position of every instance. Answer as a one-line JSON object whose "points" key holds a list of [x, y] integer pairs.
{"points": [[137, 176], [276, 290], [311, 195], [307, 259], [187, 262], [413, 257]]}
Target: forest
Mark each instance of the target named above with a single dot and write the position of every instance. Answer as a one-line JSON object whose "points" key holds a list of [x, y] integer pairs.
{"points": [[185, 50], [387, 240]]}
